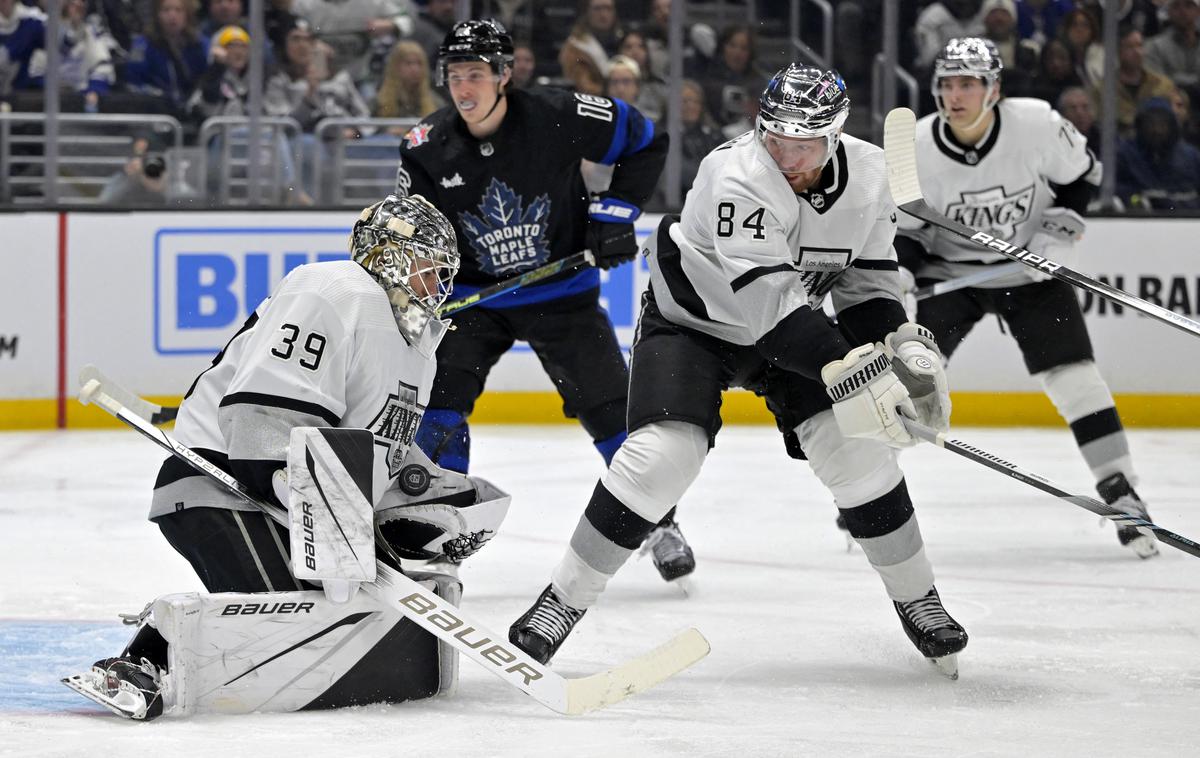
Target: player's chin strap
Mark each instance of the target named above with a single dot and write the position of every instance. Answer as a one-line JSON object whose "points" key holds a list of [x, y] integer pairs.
{"points": [[996, 463]]}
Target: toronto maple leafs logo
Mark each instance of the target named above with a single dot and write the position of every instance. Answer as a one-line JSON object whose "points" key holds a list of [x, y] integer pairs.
{"points": [[395, 426], [506, 236], [993, 210]]}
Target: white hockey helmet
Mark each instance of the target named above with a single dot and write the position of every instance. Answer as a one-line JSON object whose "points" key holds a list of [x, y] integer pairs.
{"points": [[799, 105], [968, 56], [409, 247]]}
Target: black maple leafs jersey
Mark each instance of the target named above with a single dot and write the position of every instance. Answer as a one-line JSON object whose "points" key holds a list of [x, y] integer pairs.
{"points": [[516, 197]]}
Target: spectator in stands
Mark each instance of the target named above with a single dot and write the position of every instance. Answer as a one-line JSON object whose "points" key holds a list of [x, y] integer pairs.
{"points": [[1176, 51], [305, 89], [636, 46], [523, 67], [1080, 32], [593, 40], [1135, 83], [1055, 73], [1020, 56], [171, 57], [222, 13], [85, 65], [358, 31], [624, 82], [120, 18], [1156, 170], [1076, 106], [1038, 20], [700, 132], [22, 56], [941, 22], [1138, 14], [405, 91], [142, 182], [734, 78], [224, 86], [431, 25], [699, 41], [1181, 103]]}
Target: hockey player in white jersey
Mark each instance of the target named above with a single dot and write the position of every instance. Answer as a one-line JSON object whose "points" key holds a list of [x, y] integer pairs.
{"points": [[343, 344], [777, 219], [1014, 168]]}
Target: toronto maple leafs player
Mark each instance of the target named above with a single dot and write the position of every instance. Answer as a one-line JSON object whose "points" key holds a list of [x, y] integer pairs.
{"points": [[504, 164], [777, 219], [1018, 170], [346, 344]]}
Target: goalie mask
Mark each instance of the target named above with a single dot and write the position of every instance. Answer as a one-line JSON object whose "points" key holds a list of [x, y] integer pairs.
{"points": [[800, 117], [409, 247], [968, 56]]}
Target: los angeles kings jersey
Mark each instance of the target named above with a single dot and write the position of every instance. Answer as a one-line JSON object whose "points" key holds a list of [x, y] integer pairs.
{"points": [[516, 198], [1000, 186], [750, 259], [323, 350]]}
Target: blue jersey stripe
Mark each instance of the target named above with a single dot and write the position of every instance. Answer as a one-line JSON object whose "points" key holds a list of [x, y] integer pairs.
{"points": [[617, 148]]}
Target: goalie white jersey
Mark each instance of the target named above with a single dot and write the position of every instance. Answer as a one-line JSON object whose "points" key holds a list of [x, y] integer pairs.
{"points": [[752, 251], [323, 350], [1000, 186]]}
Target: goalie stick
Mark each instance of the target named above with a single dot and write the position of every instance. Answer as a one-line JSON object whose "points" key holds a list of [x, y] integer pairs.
{"points": [[152, 412], [899, 133], [565, 695], [997, 463], [508, 285]]}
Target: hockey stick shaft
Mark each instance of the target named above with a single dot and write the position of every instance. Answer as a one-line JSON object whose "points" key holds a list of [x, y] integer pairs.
{"points": [[996, 463], [442, 619], [584, 258], [991, 273], [899, 134]]}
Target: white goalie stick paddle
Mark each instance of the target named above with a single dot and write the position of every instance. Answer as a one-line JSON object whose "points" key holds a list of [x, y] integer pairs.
{"points": [[899, 132], [566, 695], [997, 463]]}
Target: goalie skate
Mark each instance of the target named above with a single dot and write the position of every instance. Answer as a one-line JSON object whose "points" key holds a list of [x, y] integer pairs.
{"points": [[1118, 493], [132, 690], [541, 631], [669, 551], [937, 636]]}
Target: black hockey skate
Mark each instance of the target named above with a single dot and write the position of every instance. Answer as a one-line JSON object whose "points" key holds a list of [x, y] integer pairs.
{"points": [[936, 635], [129, 689], [544, 627], [670, 552], [1118, 493]]}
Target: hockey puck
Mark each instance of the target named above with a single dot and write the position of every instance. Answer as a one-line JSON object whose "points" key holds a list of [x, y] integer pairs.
{"points": [[414, 479]]}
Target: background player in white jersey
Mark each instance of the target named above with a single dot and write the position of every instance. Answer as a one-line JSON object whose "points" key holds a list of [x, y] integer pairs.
{"points": [[1016, 169], [777, 219], [345, 344]]}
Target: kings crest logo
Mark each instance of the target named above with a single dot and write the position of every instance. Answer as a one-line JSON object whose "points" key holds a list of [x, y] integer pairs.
{"points": [[507, 236], [395, 426], [992, 211], [418, 135]]}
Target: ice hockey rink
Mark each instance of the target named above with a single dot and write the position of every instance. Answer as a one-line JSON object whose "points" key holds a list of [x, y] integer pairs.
{"points": [[1077, 647]]}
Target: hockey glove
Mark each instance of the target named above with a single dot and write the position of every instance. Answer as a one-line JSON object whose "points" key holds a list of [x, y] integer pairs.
{"points": [[1055, 238], [867, 397], [918, 364], [610, 234]]}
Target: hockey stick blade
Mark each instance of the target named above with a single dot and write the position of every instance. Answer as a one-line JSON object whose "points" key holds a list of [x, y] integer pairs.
{"points": [[569, 696], [997, 463], [584, 258], [899, 147]]}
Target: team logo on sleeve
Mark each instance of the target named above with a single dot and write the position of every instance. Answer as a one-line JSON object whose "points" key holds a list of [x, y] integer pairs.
{"points": [[395, 426], [993, 211], [507, 236], [418, 135]]}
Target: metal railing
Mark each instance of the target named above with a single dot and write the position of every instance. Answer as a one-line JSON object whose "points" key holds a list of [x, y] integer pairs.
{"points": [[823, 59], [879, 81], [91, 149], [359, 171], [225, 162]]}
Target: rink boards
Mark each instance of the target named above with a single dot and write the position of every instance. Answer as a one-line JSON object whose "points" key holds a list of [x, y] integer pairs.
{"points": [[151, 297]]}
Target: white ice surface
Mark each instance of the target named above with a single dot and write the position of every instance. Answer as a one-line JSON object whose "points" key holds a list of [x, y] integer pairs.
{"points": [[1077, 647]]}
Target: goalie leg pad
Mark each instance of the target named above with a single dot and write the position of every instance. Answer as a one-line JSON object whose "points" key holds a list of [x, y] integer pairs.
{"points": [[290, 651]]}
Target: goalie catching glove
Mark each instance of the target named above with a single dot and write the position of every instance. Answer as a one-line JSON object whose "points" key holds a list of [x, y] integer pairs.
{"points": [[917, 363], [868, 396]]}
